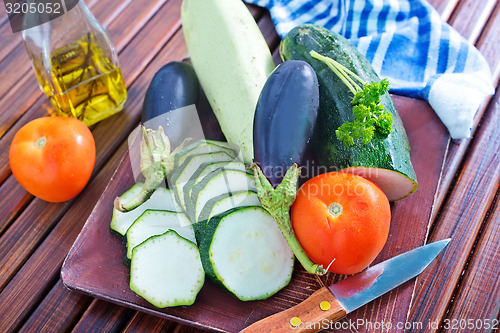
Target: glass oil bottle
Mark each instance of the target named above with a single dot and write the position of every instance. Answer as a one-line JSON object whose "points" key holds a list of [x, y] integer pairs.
{"points": [[76, 66]]}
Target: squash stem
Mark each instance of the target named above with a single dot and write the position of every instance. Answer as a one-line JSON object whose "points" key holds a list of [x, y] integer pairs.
{"points": [[341, 71], [278, 202]]}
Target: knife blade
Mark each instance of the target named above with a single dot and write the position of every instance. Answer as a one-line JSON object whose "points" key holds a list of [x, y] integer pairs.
{"points": [[336, 301]]}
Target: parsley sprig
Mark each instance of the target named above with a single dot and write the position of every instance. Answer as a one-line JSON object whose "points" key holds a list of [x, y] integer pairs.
{"points": [[369, 115]]}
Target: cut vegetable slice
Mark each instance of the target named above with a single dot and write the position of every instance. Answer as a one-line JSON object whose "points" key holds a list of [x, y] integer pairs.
{"points": [[157, 222], [182, 187], [223, 144], [166, 270], [161, 198], [227, 201], [232, 146], [204, 170], [181, 176], [217, 183], [395, 185], [192, 163], [203, 148], [244, 251]]}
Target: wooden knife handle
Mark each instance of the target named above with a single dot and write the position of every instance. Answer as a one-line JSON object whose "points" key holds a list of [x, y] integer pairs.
{"points": [[312, 315]]}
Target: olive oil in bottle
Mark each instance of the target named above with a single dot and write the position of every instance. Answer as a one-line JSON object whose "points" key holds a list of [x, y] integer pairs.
{"points": [[87, 85], [76, 66]]}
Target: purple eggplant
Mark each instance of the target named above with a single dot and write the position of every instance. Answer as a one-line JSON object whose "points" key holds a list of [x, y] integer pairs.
{"points": [[172, 88], [285, 118], [284, 123]]}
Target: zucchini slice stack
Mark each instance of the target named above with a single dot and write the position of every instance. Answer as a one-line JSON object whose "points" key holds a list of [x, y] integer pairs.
{"points": [[165, 264], [208, 221], [241, 247]]}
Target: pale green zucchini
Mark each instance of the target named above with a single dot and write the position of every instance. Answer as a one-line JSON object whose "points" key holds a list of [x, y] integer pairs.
{"points": [[195, 144], [232, 61]]}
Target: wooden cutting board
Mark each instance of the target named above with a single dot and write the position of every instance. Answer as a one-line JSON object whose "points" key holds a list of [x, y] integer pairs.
{"points": [[95, 263]]}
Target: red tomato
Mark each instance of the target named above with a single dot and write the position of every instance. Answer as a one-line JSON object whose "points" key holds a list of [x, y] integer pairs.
{"points": [[53, 157], [341, 220]]}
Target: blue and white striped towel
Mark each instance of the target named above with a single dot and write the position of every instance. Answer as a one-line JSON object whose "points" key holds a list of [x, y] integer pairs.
{"points": [[407, 42]]}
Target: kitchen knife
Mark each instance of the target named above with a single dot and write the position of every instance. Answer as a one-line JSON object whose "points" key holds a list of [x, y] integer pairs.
{"points": [[330, 304]]}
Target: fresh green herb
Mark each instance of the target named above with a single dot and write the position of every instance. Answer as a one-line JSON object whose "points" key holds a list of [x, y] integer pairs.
{"points": [[369, 115]]}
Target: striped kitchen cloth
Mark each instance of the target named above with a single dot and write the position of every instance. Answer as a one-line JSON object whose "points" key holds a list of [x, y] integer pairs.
{"points": [[407, 42]]}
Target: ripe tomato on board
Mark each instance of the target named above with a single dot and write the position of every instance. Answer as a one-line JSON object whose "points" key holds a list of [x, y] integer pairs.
{"points": [[53, 157], [341, 220]]}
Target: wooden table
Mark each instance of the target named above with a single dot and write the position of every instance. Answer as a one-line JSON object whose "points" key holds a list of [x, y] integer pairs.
{"points": [[35, 236]]}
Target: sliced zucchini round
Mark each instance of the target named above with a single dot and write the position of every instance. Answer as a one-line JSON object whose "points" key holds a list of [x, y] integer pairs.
{"points": [[201, 147], [227, 201], [394, 184], [166, 270], [244, 251], [157, 222], [182, 175], [205, 170], [217, 183], [162, 198]]}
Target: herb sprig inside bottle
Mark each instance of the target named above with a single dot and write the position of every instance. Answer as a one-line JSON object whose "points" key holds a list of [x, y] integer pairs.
{"points": [[370, 116]]}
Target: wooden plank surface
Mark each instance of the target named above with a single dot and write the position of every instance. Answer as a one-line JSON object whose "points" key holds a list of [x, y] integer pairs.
{"points": [[461, 219], [3, 15], [35, 236], [23, 246], [103, 317], [145, 323], [488, 45], [470, 17], [458, 303], [57, 312], [444, 7], [18, 241], [30, 284], [478, 294]]}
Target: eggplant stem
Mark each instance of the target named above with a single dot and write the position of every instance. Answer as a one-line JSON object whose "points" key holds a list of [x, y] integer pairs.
{"points": [[157, 161], [150, 185], [278, 202]]}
